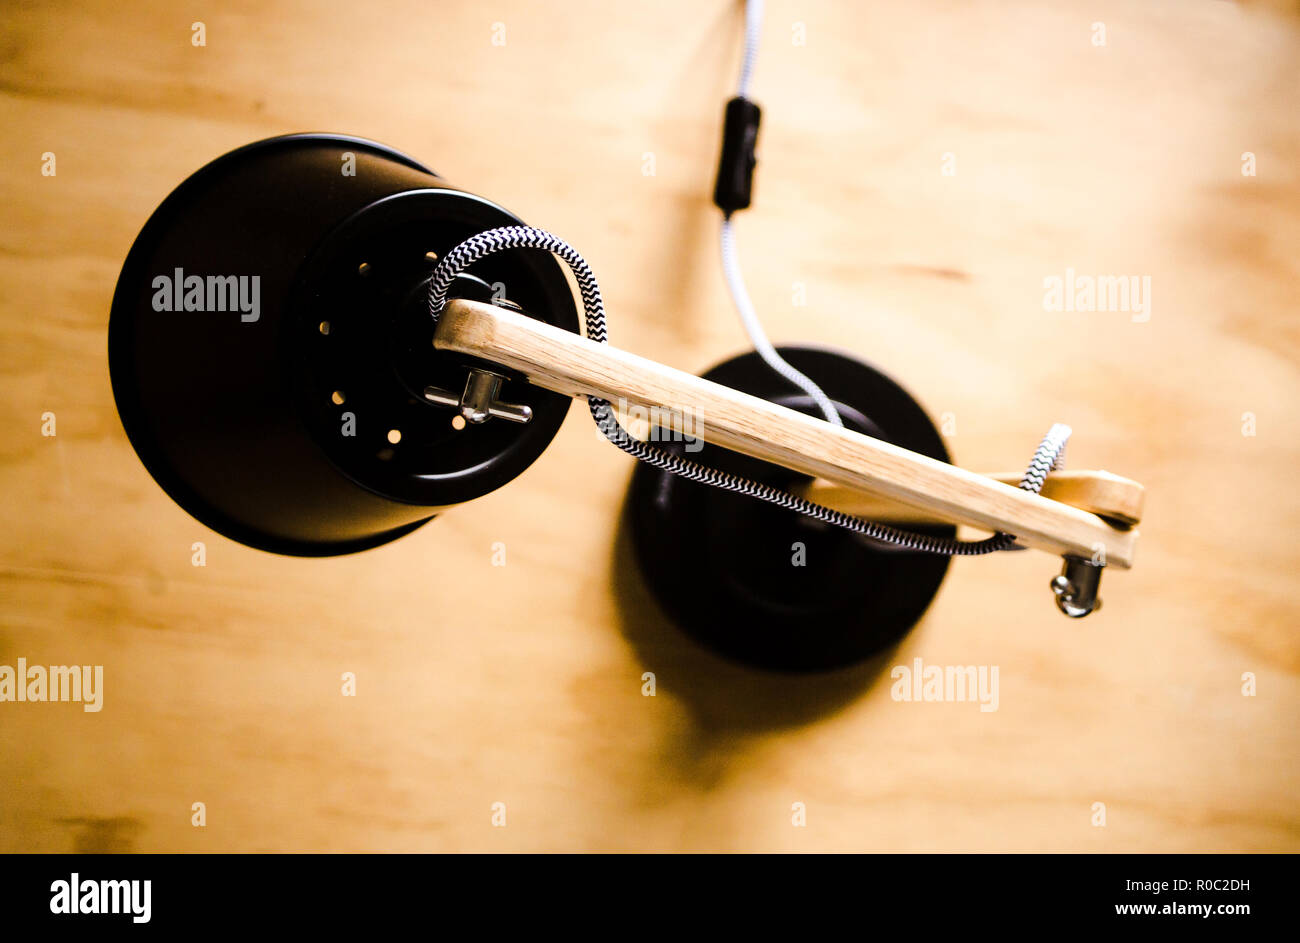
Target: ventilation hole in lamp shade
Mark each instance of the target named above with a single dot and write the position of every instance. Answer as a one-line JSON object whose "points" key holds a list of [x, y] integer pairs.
{"points": [[394, 436]]}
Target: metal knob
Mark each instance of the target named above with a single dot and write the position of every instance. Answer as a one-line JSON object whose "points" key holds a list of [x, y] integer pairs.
{"points": [[1076, 587], [478, 402]]}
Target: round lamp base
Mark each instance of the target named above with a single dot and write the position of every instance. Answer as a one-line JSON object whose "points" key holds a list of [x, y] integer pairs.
{"points": [[769, 587]]}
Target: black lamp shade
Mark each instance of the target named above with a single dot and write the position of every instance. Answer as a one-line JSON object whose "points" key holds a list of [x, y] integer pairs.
{"points": [[269, 344]]}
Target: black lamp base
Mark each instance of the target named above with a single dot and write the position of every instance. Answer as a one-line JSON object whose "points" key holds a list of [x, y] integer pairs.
{"points": [[768, 587]]}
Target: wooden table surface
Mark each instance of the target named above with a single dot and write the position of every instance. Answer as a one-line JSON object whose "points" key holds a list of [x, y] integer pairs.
{"points": [[522, 684]]}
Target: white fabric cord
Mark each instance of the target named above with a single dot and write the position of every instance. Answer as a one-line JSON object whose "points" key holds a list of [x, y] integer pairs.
{"points": [[731, 258], [758, 337], [753, 26]]}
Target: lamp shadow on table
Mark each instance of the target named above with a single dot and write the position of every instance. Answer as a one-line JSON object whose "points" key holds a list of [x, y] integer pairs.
{"points": [[728, 706]]}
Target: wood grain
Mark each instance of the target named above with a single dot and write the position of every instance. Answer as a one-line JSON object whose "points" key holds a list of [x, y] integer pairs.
{"points": [[523, 683], [575, 366], [1117, 499]]}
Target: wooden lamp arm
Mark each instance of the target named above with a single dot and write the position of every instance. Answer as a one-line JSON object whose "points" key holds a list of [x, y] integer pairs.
{"points": [[1118, 500], [567, 363]]}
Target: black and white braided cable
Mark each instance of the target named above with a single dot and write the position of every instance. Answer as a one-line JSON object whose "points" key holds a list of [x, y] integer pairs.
{"points": [[1046, 458]]}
